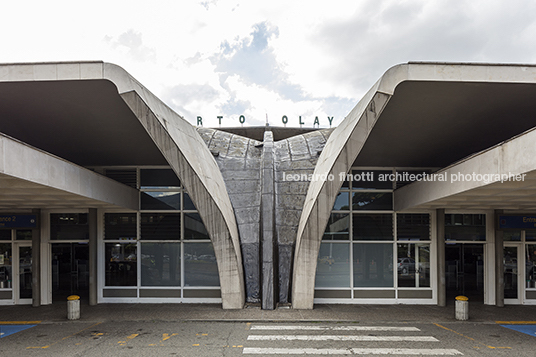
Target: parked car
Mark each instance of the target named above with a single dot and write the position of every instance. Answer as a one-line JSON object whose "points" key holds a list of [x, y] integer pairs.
{"points": [[406, 266]]}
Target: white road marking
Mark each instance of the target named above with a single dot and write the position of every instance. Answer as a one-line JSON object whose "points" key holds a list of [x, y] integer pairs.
{"points": [[340, 338], [333, 328], [351, 351]]}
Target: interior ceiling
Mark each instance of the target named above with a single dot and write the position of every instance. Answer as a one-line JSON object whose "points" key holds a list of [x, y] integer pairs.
{"points": [[85, 122], [434, 124]]}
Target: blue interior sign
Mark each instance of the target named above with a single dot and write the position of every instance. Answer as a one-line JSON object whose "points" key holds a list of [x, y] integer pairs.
{"points": [[18, 221], [520, 222]]}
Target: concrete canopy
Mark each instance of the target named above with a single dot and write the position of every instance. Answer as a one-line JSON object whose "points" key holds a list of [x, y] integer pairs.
{"points": [[95, 113], [83, 121], [31, 178], [416, 115], [512, 162], [424, 118]]}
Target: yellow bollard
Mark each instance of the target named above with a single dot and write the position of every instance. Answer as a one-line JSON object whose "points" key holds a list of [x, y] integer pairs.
{"points": [[462, 308], [73, 307]]}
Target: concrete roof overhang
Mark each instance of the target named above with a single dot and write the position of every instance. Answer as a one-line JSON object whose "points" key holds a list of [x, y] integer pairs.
{"points": [[502, 177], [436, 120], [31, 178], [84, 121]]}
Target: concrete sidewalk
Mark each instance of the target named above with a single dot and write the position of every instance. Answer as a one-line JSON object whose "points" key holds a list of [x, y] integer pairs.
{"points": [[213, 312]]}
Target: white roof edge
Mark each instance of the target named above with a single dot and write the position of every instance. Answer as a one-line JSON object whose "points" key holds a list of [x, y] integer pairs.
{"points": [[456, 72]]}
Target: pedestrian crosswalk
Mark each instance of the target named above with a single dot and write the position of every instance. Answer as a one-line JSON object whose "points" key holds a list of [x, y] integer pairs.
{"points": [[353, 340]]}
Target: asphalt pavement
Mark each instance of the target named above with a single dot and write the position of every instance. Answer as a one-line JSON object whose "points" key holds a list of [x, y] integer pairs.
{"points": [[208, 330], [478, 312]]}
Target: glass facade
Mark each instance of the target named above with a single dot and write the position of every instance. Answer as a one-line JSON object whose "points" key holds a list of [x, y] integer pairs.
{"points": [[162, 250], [365, 240]]}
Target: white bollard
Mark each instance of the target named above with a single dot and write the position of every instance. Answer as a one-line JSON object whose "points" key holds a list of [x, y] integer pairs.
{"points": [[73, 307], [462, 308]]}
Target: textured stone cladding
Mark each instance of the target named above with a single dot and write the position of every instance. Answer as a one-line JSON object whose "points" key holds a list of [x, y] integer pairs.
{"points": [[297, 155], [241, 162]]}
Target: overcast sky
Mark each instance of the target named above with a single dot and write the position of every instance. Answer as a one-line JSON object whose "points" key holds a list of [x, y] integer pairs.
{"points": [[270, 58]]}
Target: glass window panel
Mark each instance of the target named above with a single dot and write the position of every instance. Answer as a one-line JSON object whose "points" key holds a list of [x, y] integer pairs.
{"points": [[345, 184], [121, 267], [128, 177], [120, 226], [423, 267], [373, 265], [69, 226], [333, 267], [23, 234], [413, 226], [509, 236], [6, 275], [511, 270], [342, 202], [468, 227], [478, 219], [338, 227], [413, 265], [25, 272], [406, 265], [160, 200], [188, 203], [371, 179], [160, 226], [200, 267], [372, 226], [530, 235], [158, 178], [467, 220], [530, 276], [160, 264], [372, 201], [5, 234], [194, 227]]}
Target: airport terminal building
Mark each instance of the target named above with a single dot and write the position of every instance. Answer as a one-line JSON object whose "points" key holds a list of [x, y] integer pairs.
{"points": [[425, 191]]}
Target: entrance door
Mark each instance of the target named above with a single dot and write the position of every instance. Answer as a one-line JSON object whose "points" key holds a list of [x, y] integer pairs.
{"points": [[512, 273], [70, 270], [464, 270], [23, 264]]}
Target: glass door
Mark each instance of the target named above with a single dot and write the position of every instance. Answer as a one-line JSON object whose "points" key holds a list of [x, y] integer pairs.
{"points": [[70, 270], [512, 274], [23, 265], [464, 270]]}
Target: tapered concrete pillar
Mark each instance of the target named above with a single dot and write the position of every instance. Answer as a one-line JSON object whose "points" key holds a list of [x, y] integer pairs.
{"points": [[441, 283], [36, 260], [499, 265], [267, 214], [92, 223]]}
